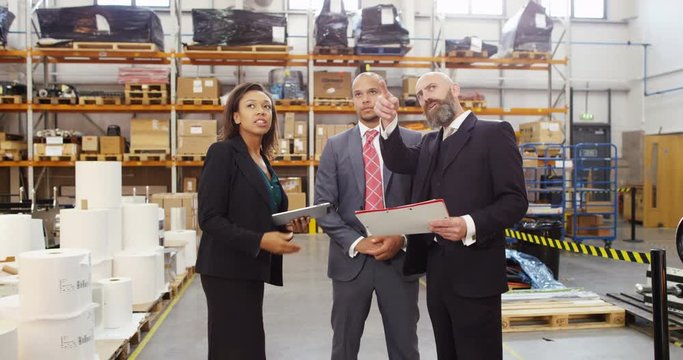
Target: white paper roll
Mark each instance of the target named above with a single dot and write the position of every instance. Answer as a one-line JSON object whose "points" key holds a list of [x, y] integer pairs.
{"points": [[9, 308], [190, 238], [99, 182], [137, 199], [9, 342], [54, 283], [85, 229], [115, 231], [70, 338], [140, 227], [102, 269], [15, 235], [117, 302], [179, 248], [178, 216], [37, 234], [141, 268]]}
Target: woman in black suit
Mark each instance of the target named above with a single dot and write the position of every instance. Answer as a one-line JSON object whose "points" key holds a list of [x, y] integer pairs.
{"points": [[240, 249]]}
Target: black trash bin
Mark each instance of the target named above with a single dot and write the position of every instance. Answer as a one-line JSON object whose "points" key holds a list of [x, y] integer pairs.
{"points": [[549, 229]]}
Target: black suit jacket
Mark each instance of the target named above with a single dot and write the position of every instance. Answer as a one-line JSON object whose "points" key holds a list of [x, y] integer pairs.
{"points": [[234, 213], [482, 177]]}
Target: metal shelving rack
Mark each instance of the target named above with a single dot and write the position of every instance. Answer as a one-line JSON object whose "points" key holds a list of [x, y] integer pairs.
{"points": [[546, 181], [594, 199]]}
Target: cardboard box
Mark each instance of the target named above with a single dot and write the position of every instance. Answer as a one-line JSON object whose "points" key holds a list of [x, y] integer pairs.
{"points": [[291, 184], [201, 87], [548, 132], [197, 128], [89, 144], [585, 223], [2, 136], [55, 149], [332, 85], [112, 145], [320, 131], [301, 129], [297, 200], [338, 129], [409, 86], [13, 145], [190, 184], [299, 147], [290, 126], [194, 145], [283, 147], [149, 134], [169, 201]]}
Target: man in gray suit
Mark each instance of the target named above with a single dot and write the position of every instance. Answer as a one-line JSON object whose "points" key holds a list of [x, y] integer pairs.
{"points": [[352, 177]]}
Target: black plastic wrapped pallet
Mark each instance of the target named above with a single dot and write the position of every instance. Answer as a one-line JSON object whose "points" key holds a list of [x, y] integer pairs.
{"points": [[238, 27], [126, 24], [331, 28], [374, 27], [528, 30], [466, 44], [6, 19]]}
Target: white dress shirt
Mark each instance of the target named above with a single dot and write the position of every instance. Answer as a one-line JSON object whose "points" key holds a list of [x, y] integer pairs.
{"points": [[452, 128]]}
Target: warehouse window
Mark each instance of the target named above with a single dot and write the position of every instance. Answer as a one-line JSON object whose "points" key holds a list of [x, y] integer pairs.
{"points": [[584, 9], [147, 3], [349, 5], [470, 7]]}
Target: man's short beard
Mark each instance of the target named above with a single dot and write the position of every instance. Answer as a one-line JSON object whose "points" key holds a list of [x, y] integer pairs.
{"points": [[444, 113], [372, 118]]}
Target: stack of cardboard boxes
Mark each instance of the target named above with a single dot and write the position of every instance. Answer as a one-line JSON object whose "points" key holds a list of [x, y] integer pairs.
{"points": [[409, 97], [195, 136], [168, 201], [332, 88], [103, 145], [198, 91], [324, 132], [294, 140], [543, 132], [149, 135], [295, 194], [54, 148], [11, 150], [145, 94]]}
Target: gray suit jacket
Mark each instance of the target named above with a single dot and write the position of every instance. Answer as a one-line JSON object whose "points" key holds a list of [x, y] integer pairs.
{"points": [[341, 181]]}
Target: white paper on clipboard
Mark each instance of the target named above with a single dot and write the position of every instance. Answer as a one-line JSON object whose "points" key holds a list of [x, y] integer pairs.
{"points": [[407, 219]]}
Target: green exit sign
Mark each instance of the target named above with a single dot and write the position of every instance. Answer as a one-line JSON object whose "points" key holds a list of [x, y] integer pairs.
{"points": [[586, 116]]}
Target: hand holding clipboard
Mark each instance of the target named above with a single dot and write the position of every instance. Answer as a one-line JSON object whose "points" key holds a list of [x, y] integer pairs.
{"points": [[407, 219]]}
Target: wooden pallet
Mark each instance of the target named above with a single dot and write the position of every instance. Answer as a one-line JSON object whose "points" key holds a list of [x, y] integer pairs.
{"points": [[11, 99], [382, 50], [101, 157], [190, 157], [145, 94], [143, 101], [561, 315], [145, 157], [290, 102], [198, 101], [332, 102], [291, 157], [55, 100], [149, 150], [330, 50], [146, 87], [57, 158], [99, 100], [473, 104], [114, 46], [467, 54], [272, 49], [530, 55]]}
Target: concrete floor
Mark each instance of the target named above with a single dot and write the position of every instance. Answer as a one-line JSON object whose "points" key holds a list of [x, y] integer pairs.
{"points": [[298, 327]]}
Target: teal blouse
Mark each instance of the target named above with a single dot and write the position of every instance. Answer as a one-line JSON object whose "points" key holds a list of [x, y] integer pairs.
{"points": [[273, 188]]}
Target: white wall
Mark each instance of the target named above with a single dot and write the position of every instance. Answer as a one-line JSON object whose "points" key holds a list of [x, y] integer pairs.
{"points": [[659, 24], [597, 66]]}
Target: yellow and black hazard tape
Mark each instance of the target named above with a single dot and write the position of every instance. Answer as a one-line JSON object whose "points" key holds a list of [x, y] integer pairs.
{"points": [[581, 248], [624, 189]]}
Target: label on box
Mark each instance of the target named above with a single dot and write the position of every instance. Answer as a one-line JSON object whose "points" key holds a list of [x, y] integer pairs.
{"points": [[554, 127], [476, 44], [387, 17], [196, 130], [54, 150], [300, 129], [155, 124], [298, 146], [321, 131], [279, 34], [208, 83], [540, 21], [545, 126], [197, 86], [54, 140]]}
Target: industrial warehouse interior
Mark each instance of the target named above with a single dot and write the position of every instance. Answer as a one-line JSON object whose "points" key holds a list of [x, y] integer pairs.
{"points": [[344, 179]]}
